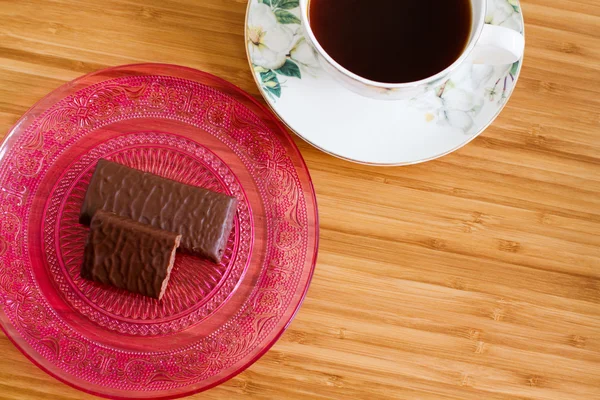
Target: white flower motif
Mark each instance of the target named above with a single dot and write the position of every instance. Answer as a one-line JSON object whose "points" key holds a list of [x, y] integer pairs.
{"points": [[460, 107], [451, 106], [503, 13], [457, 102], [304, 55], [471, 77], [458, 99], [268, 41]]}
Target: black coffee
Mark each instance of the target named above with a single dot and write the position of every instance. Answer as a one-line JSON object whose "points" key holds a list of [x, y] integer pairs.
{"points": [[392, 41]]}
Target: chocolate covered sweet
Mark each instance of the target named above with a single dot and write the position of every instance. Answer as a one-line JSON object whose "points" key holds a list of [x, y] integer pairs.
{"points": [[129, 255], [204, 218]]}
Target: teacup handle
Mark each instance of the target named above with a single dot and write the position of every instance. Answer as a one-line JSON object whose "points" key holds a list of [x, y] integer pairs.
{"points": [[498, 46]]}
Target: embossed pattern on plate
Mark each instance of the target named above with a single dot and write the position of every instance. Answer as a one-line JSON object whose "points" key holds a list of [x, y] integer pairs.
{"points": [[193, 279], [173, 121]]}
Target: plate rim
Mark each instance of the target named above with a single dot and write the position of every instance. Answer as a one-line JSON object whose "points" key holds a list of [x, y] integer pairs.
{"points": [[372, 163], [8, 328]]}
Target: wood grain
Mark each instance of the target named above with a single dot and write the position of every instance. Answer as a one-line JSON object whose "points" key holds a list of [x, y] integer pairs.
{"points": [[476, 276]]}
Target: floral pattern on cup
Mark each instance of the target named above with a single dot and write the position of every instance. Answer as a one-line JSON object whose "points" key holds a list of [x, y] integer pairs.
{"points": [[278, 50], [276, 44]]}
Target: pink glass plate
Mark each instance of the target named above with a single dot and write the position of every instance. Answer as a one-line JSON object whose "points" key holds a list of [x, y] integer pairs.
{"points": [[215, 320]]}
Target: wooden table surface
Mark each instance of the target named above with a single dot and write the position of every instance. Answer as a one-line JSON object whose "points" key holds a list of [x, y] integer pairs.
{"points": [[476, 276]]}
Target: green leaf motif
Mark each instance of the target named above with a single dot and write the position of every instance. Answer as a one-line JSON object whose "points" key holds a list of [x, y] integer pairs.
{"points": [[286, 17], [268, 76], [288, 4], [276, 90], [267, 2], [258, 68], [515, 5], [271, 83], [514, 69], [290, 68]]}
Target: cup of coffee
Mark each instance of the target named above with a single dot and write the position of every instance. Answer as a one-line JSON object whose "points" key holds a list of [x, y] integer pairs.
{"points": [[395, 49]]}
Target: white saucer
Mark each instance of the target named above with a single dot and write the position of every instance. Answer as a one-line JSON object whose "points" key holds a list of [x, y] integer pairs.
{"points": [[330, 117]]}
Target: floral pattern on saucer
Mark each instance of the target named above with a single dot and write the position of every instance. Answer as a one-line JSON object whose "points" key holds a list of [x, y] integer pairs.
{"points": [[457, 101], [276, 44]]}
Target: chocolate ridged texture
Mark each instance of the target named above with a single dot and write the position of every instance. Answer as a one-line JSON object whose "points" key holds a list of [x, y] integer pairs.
{"points": [[204, 218], [129, 255]]}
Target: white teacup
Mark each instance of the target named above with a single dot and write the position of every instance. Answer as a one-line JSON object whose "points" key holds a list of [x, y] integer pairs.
{"points": [[488, 44]]}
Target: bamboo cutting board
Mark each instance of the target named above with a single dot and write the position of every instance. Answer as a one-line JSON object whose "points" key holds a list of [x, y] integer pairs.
{"points": [[476, 276]]}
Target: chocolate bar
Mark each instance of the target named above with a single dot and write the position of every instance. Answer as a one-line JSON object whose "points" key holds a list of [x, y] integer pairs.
{"points": [[204, 218], [129, 255]]}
